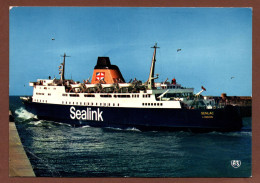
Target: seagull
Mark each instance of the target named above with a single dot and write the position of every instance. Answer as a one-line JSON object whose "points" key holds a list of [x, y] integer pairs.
{"points": [[232, 77], [178, 50], [52, 39]]}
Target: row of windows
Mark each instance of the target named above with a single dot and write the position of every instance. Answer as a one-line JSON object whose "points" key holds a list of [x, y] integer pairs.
{"points": [[146, 96], [122, 96], [45, 88], [49, 94], [105, 96], [38, 100], [90, 103], [152, 104], [39, 93], [89, 95], [169, 87], [97, 104]]}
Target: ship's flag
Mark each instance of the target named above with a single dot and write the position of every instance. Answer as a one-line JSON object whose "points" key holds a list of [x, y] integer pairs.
{"points": [[100, 76], [203, 88]]}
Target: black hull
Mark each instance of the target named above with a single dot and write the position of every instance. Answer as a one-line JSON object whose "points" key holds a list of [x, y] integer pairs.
{"points": [[224, 119]]}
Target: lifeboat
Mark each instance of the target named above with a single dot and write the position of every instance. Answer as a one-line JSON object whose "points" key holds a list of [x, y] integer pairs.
{"points": [[89, 85], [108, 85], [125, 85], [76, 85]]}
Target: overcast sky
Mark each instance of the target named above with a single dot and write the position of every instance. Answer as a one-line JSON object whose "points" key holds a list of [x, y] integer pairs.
{"points": [[215, 43]]}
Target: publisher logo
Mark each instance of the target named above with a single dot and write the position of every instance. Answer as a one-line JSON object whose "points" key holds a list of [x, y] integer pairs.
{"points": [[236, 163]]}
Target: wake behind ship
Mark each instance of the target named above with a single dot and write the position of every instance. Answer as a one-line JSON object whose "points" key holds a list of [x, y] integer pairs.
{"points": [[109, 101]]}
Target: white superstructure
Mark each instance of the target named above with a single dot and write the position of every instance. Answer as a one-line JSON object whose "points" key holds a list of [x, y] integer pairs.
{"points": [[57, 95]]}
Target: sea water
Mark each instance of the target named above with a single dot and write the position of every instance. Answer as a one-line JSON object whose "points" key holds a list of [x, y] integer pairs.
{"points": [[60, 150]]}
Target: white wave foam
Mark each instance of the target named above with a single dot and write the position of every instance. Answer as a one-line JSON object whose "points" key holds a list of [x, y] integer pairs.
{"points": [[232, 134], [133, 129], [60, 123], [125, 129], [36, 123], [24, 114], [86, 126]]}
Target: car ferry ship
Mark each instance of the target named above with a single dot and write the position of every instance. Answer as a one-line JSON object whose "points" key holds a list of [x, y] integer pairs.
{"points": [[108, 101]]}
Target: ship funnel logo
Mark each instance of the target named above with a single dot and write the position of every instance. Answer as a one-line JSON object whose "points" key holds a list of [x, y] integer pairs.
{"points": [[100, 76], [236, 163]]}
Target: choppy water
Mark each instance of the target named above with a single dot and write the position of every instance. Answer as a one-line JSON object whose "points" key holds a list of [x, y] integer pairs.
{"points": [[60, 150]]}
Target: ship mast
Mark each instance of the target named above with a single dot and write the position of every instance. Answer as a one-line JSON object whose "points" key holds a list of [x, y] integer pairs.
{"points": [[150, 82], [62, 67]]}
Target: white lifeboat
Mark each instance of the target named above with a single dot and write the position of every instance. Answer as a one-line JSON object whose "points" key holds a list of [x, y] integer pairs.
{"points": [[125, 85], [89, 85], [76, 85], [107, 85]]}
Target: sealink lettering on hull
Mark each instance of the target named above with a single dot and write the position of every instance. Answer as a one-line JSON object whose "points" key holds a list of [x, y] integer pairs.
{"points": [[86, 114]]}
